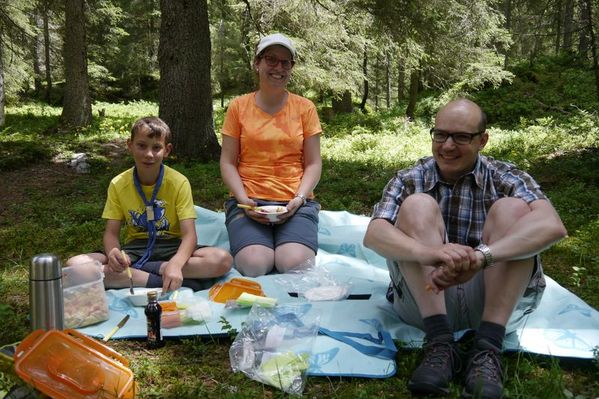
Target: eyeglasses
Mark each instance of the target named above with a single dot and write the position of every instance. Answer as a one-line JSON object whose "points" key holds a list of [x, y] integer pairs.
{"points": [[439, 136], [273, 61]]}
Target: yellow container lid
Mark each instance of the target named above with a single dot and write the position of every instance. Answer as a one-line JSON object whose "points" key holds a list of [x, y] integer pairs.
{"points": [[67, 364]]}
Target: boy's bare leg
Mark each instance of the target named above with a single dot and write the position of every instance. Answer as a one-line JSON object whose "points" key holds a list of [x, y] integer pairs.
{"points": [[207, 262], [111, 279]]}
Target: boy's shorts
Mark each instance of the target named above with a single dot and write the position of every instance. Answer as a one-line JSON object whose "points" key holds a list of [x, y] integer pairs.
{"points": [[465, 302], [301, 228]]}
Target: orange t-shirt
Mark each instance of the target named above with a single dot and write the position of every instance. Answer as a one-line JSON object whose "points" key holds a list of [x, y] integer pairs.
{"points": [[271, 147]]}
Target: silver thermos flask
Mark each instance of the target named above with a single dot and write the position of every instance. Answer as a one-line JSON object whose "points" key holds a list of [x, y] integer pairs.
{"points": [[45, 293]]}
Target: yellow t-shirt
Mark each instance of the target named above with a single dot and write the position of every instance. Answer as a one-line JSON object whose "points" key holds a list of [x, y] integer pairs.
{"points": [[174, 202], [271, 146]]}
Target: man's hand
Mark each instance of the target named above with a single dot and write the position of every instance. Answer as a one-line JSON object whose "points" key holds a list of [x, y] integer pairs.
{"points": [[455, 264], [172, 277]]}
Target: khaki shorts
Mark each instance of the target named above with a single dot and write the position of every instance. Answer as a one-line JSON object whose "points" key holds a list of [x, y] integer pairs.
{"points": [[465, 302]]}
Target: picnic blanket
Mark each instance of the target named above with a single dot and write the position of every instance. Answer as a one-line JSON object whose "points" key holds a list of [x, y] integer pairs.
{"points": [[563, 325]]}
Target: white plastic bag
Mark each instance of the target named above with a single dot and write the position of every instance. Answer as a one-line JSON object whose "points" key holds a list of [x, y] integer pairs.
{"points": [[314, 282], [275, 345]]}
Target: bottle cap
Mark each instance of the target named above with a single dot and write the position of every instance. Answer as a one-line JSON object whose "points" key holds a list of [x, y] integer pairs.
{"points": [[152, 295]]}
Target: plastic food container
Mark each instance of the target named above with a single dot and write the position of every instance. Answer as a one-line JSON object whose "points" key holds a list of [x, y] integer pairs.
{"points": [[84, 296], [69, 365], [222, 292], [140, 296]]}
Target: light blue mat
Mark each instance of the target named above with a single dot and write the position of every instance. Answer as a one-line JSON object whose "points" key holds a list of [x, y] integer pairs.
{"points": [[563, 325]]}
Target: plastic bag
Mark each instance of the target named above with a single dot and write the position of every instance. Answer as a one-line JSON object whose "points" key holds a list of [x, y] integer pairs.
{"points": [[275, 345], [191, 310], [313, 282]]}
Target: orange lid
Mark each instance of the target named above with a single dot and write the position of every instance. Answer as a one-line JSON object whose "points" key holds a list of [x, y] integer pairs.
{"points": [[67, 364], [222, 292]]}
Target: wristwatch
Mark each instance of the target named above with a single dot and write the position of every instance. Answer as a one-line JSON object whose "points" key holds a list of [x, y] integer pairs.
{"points": [[486, 251], [303, 197]]}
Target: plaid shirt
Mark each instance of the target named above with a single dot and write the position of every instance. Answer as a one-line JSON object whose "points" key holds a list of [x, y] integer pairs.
{"points": [[465, 204]]}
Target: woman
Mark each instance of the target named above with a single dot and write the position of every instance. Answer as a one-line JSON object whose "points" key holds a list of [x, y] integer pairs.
{"points": [[271, 156]]}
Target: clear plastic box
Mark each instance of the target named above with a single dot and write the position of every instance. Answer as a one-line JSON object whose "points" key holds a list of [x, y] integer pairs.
{"points": [[84, 296]]}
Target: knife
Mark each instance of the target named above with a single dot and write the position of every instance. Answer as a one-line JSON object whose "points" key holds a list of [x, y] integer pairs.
{"points": [[114, 330]]}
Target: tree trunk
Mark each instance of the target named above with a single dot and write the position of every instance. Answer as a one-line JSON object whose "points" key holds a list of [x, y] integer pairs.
{"points": [[343, 104], [558, 25], [185, 91], [377, 86], [583, 39], [401, 84], [589, 6], [568, 26], [48, 68], [2, 116], [221, 66], [414, 81], [77, 109], [365, 72], [507, 7], [36, 52], [388, 80]]}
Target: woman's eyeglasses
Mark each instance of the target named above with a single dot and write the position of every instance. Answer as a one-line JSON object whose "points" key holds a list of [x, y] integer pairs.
{"points": [[273, 61], [439, 136]]}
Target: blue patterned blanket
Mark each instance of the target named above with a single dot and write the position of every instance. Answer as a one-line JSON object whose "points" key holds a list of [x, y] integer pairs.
{"points": [[563, 325]]}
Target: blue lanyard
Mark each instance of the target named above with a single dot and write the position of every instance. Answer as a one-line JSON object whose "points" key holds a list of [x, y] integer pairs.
{"points": [[150, 215]]}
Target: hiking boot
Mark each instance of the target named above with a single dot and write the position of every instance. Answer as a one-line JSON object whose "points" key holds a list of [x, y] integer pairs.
{"points": [[439, 364], [483, 375]]}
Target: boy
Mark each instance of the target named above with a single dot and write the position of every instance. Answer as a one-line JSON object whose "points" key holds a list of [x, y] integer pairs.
{"points": [[156, 204]]}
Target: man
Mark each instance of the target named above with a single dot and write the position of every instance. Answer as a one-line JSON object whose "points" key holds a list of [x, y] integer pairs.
{"points": [[462, 233]]}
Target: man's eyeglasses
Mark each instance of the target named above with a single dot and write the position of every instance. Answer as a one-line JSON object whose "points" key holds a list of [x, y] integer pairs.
{"points": [[273, 61], [439, 136]]}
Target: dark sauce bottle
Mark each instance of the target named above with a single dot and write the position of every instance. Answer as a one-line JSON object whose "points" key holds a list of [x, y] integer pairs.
{"points": [[153, 313]]}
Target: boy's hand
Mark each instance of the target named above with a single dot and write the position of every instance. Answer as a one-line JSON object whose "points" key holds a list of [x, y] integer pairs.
{"points": [[172, 277], [117, 262]]}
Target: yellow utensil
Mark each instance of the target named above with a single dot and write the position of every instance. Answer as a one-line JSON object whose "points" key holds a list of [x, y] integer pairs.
{"points": [[129, 274], [252, 208], [114, 330]]}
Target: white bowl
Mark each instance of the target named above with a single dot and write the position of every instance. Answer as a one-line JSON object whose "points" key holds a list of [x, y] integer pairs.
{"points": [[140, 298], [272, 212]]}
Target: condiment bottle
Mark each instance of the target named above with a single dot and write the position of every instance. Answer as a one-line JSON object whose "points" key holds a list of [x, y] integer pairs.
{"points": [[153, 313]]}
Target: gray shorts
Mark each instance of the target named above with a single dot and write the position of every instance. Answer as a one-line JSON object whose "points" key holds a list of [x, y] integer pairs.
{"points": [[465, 302], [164, 249], [301, 228]]}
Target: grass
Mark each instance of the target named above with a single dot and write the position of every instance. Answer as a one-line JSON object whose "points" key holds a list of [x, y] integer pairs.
{"points": [[45, 207]]}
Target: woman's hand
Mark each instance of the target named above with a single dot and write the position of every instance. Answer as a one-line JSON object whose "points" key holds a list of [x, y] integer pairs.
{"points": [[292, 207], [257, 216]]}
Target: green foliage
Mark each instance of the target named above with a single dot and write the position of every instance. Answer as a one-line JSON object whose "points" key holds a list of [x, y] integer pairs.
{"points": [[550, 87]]}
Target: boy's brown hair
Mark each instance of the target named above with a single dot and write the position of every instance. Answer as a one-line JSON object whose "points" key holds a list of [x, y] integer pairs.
{"points": [[156, 126]]}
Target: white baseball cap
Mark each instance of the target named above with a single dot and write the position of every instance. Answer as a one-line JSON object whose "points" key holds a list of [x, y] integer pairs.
{"points": [[276, 38]]}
